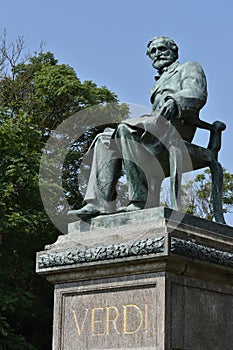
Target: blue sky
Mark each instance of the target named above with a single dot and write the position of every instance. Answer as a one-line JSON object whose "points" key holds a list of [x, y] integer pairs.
{"points": [[105, 41]]}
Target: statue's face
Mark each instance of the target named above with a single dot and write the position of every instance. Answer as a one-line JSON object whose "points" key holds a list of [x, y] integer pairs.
{"points": [[160, 54]]}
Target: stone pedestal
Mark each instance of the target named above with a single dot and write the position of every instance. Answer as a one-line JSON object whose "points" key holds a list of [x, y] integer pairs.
{"points": [[152, 279]]}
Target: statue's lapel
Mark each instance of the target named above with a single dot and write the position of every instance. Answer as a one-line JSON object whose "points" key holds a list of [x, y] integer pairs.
{"points": [[171, 70]]}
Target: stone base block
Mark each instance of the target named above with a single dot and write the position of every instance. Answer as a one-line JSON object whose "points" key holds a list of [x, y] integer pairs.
{"points": [[154, 280]]}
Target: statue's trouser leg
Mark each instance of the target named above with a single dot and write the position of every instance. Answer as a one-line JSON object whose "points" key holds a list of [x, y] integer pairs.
{"points": [[136, 161], [110, 151], [105, 172]]}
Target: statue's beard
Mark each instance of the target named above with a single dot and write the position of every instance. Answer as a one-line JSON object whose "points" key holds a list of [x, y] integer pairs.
{"points": [[160, 63]]}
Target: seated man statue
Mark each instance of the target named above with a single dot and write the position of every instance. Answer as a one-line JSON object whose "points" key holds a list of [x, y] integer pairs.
{"points": [[177, 97]]}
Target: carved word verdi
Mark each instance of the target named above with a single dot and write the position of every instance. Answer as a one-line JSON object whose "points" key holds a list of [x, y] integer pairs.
{"points": [[107, 320]]}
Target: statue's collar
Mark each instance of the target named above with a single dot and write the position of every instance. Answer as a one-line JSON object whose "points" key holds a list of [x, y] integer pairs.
{"points": [[168, 69]]}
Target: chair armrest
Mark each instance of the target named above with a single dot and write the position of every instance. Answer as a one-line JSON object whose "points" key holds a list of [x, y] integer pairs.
{"points": [[215, 134]]}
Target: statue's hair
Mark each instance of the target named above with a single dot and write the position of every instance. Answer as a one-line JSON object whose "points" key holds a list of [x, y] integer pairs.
{"points": [[169, 42]]}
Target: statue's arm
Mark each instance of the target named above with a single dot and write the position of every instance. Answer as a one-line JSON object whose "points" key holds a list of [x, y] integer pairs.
{"points": [[192, 95]]}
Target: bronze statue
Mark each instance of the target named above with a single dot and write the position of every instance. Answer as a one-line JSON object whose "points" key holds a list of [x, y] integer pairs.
{"points": [[177, 97]]}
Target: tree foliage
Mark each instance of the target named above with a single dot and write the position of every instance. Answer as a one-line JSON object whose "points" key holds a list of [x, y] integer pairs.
{"points": [[36, 95], [25, 299], [197, 194]]}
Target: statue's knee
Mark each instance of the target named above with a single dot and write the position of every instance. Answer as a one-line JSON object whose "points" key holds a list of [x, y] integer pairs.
{"points": [[99, 138], [103, 139], [122, 130]]}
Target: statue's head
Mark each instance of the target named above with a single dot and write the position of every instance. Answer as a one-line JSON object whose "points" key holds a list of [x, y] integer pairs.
{"points": [[162, 51]]}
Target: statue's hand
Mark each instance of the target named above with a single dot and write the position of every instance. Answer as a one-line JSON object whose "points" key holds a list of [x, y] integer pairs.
{"points": [[169, 110]]}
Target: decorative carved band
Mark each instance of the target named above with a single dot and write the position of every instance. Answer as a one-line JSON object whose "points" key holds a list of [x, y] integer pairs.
{"points": [[136, 248], [113, 251], [194, 250]]}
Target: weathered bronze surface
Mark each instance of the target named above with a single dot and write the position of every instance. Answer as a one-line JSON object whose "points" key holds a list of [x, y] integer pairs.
{"points": [[163, 137]]}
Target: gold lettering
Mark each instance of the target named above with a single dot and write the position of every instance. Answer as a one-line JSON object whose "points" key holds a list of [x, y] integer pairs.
{"points": [[134, 318], [114, 320], [127, 309], [79, 328], [146, 317], [94, 321]]}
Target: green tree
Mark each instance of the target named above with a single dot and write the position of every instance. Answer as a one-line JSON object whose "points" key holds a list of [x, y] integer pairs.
{"points": [[37, 94], [25, 299], [197, 194]]}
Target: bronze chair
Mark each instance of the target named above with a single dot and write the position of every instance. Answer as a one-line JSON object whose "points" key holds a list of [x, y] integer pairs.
{"points": [[174, 162]]}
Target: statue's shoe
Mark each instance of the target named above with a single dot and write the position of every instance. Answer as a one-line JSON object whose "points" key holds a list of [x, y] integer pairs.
{"points": [[88, 210], [132, 207]]}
